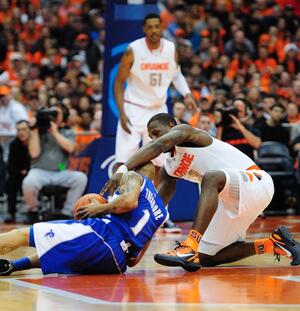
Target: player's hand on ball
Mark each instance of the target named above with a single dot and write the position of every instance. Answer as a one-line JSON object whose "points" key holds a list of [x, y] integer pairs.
{"points": [[90, 210], [89, 205]]}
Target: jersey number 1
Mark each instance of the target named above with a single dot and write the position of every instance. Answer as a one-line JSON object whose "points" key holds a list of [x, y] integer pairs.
{"points": [[155, 79], [141, 223]]}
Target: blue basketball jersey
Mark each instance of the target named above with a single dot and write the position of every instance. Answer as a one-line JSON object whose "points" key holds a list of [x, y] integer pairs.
{"points": [[138, 226], [99, 245]]}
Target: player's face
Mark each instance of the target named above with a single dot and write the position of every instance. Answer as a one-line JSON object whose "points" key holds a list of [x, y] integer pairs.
{"points": [[157, 129], [153, 30]]}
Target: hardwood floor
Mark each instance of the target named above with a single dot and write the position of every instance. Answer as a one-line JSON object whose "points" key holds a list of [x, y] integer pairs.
{"points": [[256, 283]]}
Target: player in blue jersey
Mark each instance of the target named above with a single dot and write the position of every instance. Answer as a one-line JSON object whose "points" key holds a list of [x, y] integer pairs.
{"points": [[107, 239]]}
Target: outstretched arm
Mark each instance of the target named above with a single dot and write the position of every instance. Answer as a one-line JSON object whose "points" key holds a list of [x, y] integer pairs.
{"points": [[175, 136]]}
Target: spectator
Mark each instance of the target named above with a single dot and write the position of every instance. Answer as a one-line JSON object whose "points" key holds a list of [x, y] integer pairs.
{"points": [[293, 115], [11, 112], [296, 92], [265, 65], [234, 129], [205, 106], [272, 129], [97, 121], [206, 124], [239, 44], [49, 151], [95, 94], [18, 165], [291, 61], [267, 102], [179, 110], [88, 52]]}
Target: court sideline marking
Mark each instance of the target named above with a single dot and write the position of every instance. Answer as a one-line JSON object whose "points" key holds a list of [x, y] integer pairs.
{"points": [[89, 300]]}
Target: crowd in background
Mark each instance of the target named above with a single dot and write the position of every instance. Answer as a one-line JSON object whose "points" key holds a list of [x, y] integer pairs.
{"points": [[52, 52], [240, 49]]}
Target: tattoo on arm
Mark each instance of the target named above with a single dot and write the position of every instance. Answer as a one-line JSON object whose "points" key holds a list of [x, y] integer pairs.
{"points": [[130, 181]]}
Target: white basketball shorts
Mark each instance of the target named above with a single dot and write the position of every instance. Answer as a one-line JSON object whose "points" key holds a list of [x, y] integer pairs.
{"points": [[128, 144], [245, 196]]}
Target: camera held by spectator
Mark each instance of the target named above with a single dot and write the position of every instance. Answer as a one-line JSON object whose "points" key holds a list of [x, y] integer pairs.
{"points": [[226, 113], [44, 116], [233, 127]]}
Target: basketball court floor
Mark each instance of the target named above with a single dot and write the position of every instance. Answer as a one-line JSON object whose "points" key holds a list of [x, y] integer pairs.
{"points": [[257, 283]]}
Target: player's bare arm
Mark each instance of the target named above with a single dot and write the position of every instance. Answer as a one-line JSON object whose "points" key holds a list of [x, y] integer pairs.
{"points": [[130, 186], [183, 88], [166, 187], [133, 261], [177, 136], [123, 73]]}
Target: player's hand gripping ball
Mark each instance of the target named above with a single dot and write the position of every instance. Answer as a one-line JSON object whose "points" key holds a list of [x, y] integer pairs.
{"points": [[87, 199]]}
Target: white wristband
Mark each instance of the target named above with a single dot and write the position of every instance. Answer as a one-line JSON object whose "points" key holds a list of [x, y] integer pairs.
{"points": [[122, 169]]}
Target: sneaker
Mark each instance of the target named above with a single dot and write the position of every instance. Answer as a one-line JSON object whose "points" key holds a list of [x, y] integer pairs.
{"points": [[6, 267], [182, 256], [170, 227], [285, 245]]}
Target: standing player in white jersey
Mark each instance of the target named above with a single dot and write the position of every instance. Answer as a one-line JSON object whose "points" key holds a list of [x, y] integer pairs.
{"points": [[234, 191], [149, 66]]}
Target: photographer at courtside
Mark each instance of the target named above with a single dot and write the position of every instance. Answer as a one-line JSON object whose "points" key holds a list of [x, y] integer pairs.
{"points": [[233, 127], [49, 146]]}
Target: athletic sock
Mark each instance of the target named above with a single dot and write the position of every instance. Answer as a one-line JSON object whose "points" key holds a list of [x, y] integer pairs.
{"points": [[193, 239], [23, 263], [264, 246]]}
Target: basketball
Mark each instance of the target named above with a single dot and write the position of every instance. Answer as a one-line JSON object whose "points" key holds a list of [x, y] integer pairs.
{"points": [[86, 199]]}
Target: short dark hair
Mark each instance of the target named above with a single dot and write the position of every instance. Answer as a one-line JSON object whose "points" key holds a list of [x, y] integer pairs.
{"points": [[22, 121], [278, 106], [163, 118], [149, 16]]}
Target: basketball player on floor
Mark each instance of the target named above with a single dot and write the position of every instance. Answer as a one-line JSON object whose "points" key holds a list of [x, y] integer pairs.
{"points": [[101, 245], [149, 65], [234, 191]]}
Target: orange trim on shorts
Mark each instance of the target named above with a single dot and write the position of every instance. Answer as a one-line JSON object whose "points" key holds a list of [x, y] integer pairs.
{"points": [[253, 167]]}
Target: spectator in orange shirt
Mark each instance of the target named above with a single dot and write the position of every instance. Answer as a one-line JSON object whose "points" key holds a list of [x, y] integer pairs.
{"points": [[31, 33], [239, 65], [205, 106], [265, 65]]}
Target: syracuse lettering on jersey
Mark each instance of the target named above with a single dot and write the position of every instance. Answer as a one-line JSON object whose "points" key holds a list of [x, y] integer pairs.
{"points": [[155, 210], [154, 66], [184, 165]]}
